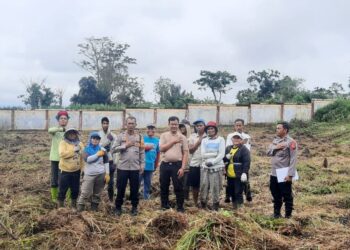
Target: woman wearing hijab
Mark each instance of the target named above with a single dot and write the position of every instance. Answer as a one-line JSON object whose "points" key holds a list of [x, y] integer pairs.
{"points": [[70, 164], [96, 173]]}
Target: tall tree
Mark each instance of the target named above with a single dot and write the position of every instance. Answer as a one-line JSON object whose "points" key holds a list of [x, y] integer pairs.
{"points": [[130, 93], [218, 82], [108, 62], [88, 93], [170, 94], [38, 95], [265, 81]]}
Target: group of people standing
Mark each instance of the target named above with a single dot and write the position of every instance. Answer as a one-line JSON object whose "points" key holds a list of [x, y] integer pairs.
{"points": [[195, 163]]}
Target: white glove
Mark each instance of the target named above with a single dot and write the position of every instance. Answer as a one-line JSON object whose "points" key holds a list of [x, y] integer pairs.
{"points": [[244, 177], [228, 156], [76, 148]]}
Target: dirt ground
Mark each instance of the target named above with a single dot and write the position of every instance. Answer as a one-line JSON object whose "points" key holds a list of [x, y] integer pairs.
{"points": [[321, 219]]}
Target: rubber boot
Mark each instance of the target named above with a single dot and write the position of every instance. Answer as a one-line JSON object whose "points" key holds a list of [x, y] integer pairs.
{"points": [[74, 203], [81, 207], [60, 203], [54, 194], [227, 195], [94, 206], [68, 195], [203, 205]]}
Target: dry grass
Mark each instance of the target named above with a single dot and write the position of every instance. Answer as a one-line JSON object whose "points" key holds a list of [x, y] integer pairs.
{"points": [[321, 218]]}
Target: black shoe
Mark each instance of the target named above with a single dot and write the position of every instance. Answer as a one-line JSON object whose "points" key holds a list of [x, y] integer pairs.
{"points": [[180, 210], [288, 215], [277, 215], [118, 211], [94, 206], [249, 198], [216, 206], [203, 205], [227, 200], [134, 211], [165, 207]]}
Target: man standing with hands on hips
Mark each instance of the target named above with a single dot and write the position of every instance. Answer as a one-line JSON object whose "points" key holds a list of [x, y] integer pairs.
{"points": [[174, 148], [284, 155]]}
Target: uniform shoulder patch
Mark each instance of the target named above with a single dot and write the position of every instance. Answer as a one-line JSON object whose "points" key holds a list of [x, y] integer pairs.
{"points": [[293, 145]]}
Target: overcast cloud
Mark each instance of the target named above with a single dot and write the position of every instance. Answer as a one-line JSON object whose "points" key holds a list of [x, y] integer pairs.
{"points": [[175, 39]]}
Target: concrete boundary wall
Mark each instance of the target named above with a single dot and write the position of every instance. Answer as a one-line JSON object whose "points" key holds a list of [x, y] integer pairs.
{"points": [[229, 113], [6, 119], [300, 112], [222, 114], [206, 112]]}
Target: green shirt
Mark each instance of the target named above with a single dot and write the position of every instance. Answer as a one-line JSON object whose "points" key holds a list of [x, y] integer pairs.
{"points": [[57, 135]]}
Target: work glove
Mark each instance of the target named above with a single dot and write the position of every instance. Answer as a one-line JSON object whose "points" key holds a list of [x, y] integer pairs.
{"points": [[107, 178], [209, 163], [228, 156], [110, 137], [76, 148], [100, 153], [244, 177]]}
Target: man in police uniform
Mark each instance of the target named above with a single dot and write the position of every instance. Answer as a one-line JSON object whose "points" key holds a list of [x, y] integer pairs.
{"points": [[283, 151]]}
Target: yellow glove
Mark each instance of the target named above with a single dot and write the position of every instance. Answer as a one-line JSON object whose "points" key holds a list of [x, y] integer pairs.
{"points": [[107, 178], [101, 153]]}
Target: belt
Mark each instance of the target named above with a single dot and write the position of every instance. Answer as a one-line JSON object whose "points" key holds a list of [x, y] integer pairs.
{"points": [[173, 163]]}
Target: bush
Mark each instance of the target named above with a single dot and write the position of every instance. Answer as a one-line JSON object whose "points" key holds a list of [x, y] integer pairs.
{"points": [[334, 112]]}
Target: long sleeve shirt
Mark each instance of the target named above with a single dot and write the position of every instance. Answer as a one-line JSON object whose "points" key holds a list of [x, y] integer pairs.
{"points": [[57, 134], [213, 150], [107, 140], [95, 165], [131, 158], [70, 161], [286, 157]]}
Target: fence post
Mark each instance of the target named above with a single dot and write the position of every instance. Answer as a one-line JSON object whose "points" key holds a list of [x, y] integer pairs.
{"points": [[282, 111], [218, 114], [155, 117], [12, 119], [47, 119], [80, 120]]}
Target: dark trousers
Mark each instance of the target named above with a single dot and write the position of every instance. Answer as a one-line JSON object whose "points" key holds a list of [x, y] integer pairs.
{"points": [[122, 180], [69, 180], [235, 190], [168, 170], [246, 189], [111, 181], [281, 192], [55, 174]]}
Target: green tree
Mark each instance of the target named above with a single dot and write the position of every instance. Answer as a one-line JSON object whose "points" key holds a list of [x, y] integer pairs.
{"points": [[218, 82], [265, 81], [170, 94], [108, 62], [38, 95], [287, 88], [130, 94], [88, 93], [247, 96], [337, 90]]}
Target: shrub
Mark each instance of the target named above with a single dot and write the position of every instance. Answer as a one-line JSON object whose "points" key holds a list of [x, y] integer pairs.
{"points": [[336, 111]]}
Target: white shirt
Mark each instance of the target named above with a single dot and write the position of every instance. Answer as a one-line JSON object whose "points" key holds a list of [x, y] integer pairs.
{"points": [[246, 139], [196, 157]]}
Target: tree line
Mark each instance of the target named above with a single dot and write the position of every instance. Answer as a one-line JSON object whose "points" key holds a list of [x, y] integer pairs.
{"points": [[109, 83]]}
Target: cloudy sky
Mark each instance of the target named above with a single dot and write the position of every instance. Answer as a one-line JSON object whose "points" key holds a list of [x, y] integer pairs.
{"points": [[175, 39]]}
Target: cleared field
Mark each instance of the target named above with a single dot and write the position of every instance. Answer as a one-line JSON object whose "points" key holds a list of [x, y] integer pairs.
{"points": [[321, 218]]}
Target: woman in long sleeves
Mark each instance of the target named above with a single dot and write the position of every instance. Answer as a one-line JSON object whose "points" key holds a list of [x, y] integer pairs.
{"points": [[237, 161], [213, 152]]}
